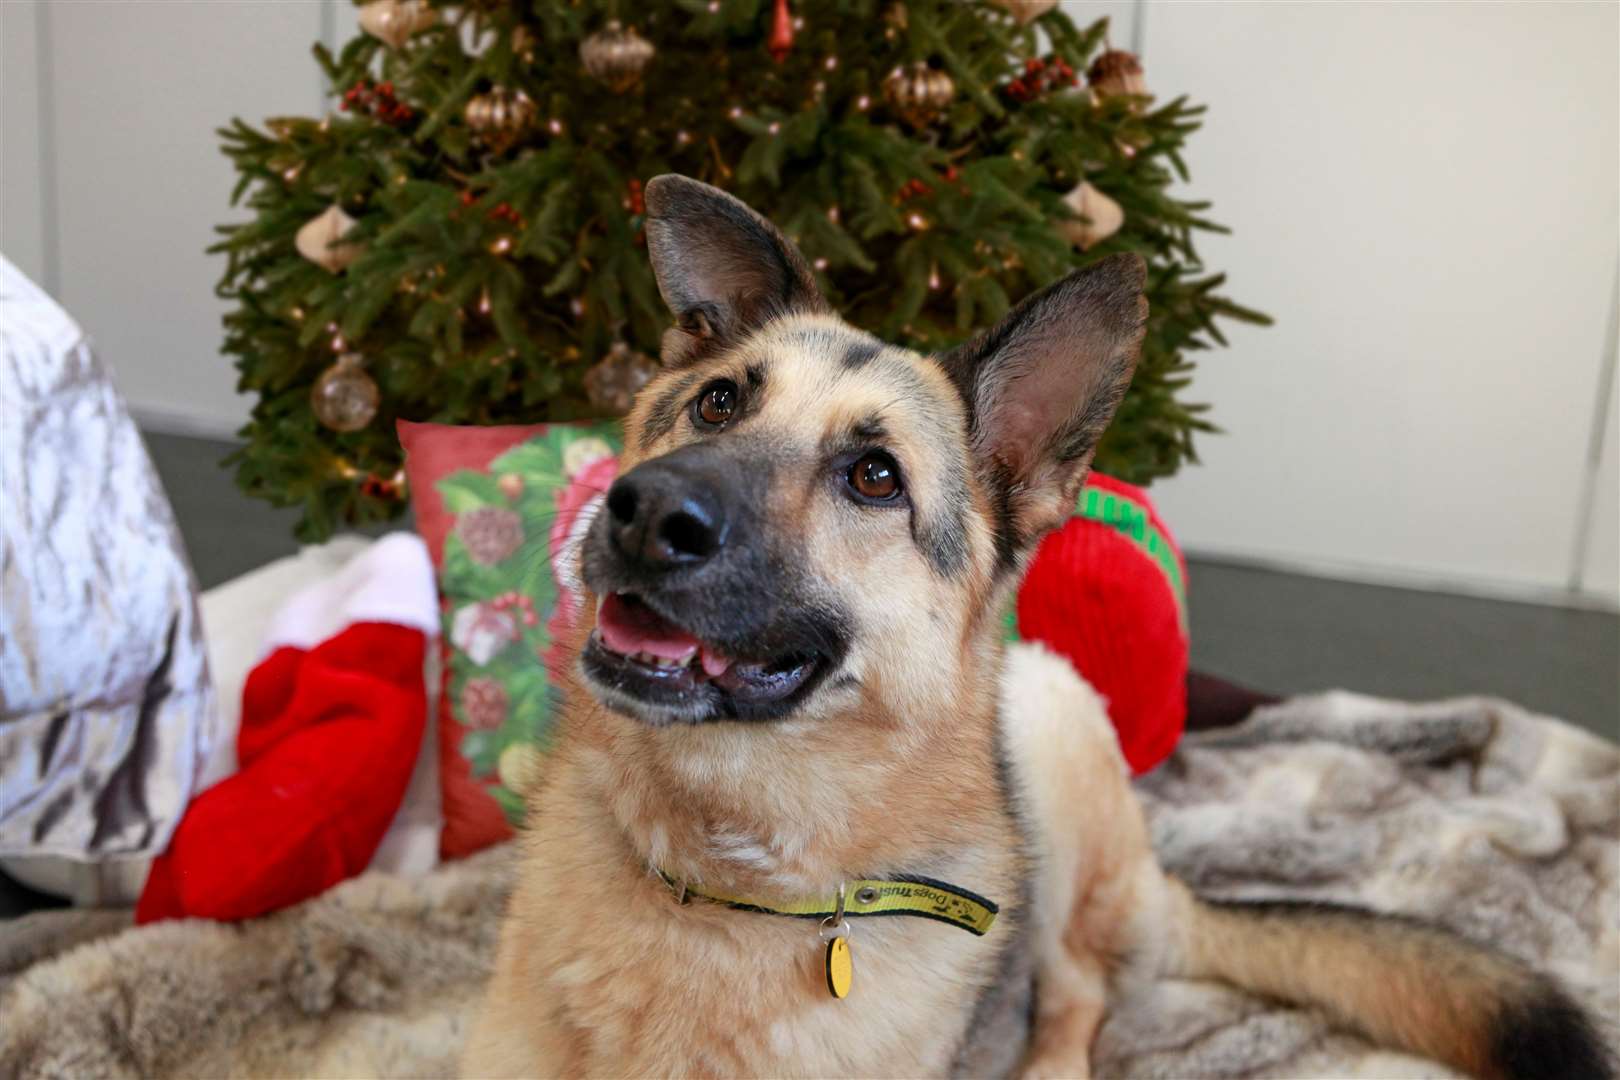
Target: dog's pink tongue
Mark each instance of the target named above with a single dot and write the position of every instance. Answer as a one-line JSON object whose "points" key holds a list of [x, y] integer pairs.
{"points": [[714, 665], [629, 627]]}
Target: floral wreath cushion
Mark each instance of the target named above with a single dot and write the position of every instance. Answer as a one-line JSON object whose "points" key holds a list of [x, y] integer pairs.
{"points": [[504, 526]]}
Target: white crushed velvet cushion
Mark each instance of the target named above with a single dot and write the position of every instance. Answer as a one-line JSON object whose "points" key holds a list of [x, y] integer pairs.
{"points": [[106, 711]]}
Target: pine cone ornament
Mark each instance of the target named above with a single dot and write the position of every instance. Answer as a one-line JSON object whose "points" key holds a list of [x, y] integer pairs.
{"points": [[1116, 72], [491, 534], [616, 56], [483, 703]]}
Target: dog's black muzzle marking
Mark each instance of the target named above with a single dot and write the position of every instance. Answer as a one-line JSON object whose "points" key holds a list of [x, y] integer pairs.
{"points": [[684, 535]]}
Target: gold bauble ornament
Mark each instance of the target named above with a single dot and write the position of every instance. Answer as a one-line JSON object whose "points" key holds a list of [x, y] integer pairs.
{"points": [[616, 56], [501, 117], [1116, 72], [344, 397], [1026, 11], [611, 384], [1099, 216], [918, 93], [320, 240], [394, 21]]}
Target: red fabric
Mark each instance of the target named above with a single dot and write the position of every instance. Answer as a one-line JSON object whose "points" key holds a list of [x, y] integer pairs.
{"points": [[473, 820], [434, 451], [1095, 597], [328, 740]]}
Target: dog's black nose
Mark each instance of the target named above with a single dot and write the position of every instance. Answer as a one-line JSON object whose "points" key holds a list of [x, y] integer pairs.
{"points": [[667, 513]]}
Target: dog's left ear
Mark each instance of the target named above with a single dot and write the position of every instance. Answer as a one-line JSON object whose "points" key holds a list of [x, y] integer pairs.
{"points": [[722, 269], [1041, 387]]}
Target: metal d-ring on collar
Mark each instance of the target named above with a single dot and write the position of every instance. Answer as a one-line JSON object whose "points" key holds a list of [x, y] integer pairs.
{"points": [[834, 925]]}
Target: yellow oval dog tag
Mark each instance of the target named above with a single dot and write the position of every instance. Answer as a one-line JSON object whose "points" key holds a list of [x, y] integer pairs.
{"points": [[840, 967]]}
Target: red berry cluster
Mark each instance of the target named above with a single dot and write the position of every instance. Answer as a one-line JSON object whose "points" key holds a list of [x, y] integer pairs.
{"points": [[913, 189], [635, 201], [1039, 77], [522, 603], [377, 487], [378, 102], [501, 211]]}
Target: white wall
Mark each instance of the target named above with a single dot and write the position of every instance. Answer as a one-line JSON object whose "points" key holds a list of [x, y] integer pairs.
{"points": [[22, 211], [1423, 195], [1598, 546], [134, 92]]}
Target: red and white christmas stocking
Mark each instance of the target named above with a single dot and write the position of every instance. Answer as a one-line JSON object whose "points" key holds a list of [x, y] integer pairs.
{"points": [[332, 725]]}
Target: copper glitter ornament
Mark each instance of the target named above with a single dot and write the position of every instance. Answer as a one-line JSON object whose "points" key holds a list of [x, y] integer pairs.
{"points": [[918, 94], [1116, 72], [344, 397], [616, 56], [611, 384], [501, 117]]}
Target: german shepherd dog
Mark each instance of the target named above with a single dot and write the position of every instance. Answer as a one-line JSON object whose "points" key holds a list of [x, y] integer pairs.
{"points": [[797, 709]]}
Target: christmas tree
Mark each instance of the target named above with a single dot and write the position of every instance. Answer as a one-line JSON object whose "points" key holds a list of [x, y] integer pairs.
{"points": [[461, 239]]}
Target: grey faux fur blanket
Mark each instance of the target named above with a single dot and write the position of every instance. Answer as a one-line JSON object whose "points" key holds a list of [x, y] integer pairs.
{"points": [[1471, 813]]}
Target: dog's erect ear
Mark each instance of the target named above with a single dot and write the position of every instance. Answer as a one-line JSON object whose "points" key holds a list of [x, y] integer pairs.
{"points": [[722, 269], [1041, 387]]}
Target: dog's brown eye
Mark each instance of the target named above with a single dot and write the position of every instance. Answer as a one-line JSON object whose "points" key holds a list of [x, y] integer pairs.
{"points": [[718, 402], [875, 477]]}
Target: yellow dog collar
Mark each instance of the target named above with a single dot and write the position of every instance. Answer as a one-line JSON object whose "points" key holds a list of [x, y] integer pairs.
{"points": [[923, 897]]}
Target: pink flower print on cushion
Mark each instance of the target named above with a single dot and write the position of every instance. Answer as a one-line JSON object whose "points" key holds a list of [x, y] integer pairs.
{"points": [[482, 630]]}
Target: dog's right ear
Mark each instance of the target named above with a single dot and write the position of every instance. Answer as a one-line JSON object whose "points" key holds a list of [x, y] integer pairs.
{"points": [[723, 270]]}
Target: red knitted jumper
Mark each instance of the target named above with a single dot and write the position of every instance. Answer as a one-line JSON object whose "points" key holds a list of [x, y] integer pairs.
{"points": [[1107, 591]]}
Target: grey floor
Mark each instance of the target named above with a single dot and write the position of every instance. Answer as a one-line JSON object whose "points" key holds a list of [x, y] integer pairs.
{"points": [[1283, 633]]}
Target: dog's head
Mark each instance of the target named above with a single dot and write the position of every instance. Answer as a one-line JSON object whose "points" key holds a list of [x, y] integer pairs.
{"points": [[810, 520]]}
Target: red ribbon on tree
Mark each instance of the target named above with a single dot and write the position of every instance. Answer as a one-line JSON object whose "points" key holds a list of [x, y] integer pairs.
{"points": [[781, 40]]}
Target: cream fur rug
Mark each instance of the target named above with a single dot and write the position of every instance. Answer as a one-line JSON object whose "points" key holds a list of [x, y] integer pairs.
{"points": [[1471, 813]]}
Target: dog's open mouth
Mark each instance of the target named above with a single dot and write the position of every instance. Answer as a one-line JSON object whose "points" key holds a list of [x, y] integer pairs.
{"points": [[640, 654]]}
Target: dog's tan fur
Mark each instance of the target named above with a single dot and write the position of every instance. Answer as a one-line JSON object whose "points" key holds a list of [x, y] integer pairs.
{"points": [[938, 752]]}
